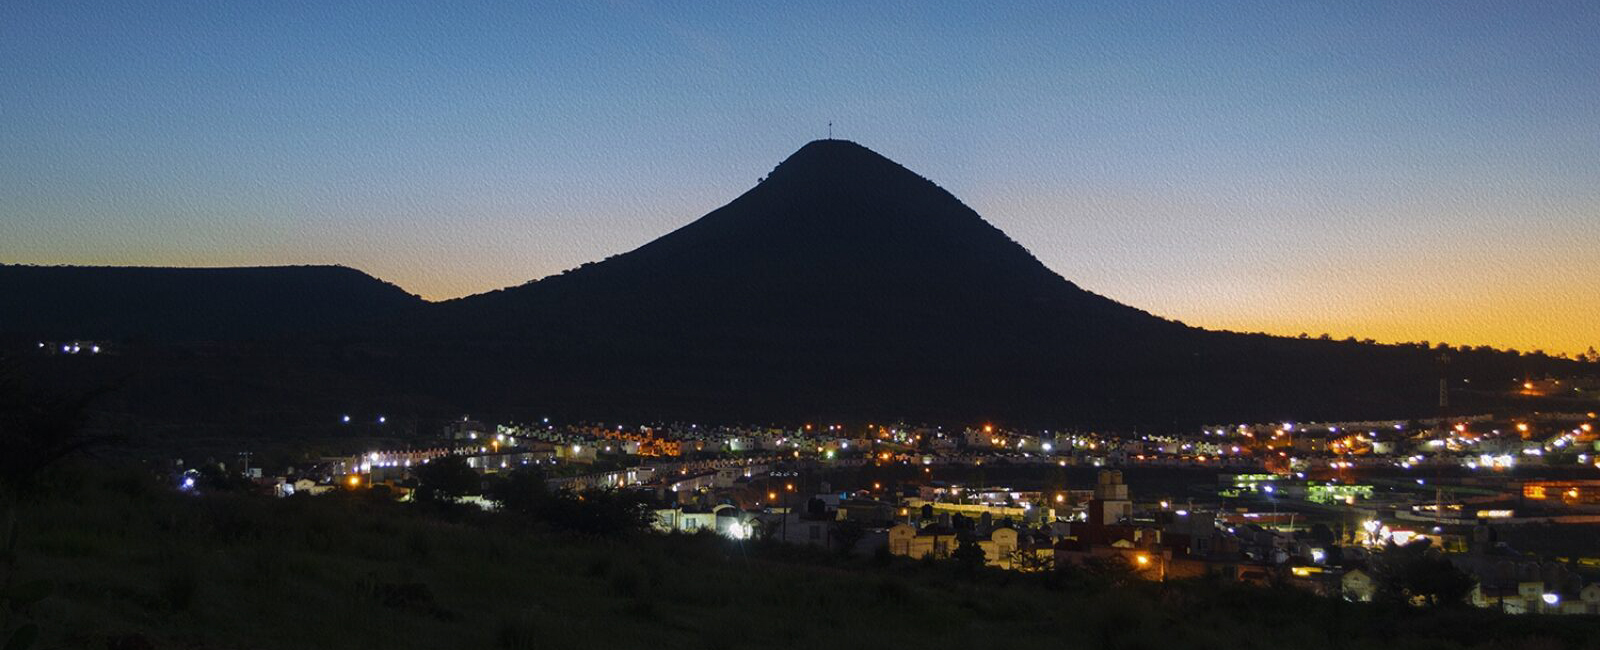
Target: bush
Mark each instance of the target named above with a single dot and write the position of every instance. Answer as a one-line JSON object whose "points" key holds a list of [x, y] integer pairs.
{"points": [[447, 479], [517, 633], [1417, 572], [177, 585]]}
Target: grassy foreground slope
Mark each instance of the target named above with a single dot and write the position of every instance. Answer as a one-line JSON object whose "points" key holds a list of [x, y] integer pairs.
{"points": [[136, 566]]}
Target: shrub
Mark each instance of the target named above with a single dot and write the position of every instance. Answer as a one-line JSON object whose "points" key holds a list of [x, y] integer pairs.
{"points": [[517, 632], [178, 585]]}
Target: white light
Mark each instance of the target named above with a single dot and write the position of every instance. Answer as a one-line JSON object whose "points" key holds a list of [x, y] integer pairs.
{"points": [[382, 419], [1551, 599], [344, 418]]}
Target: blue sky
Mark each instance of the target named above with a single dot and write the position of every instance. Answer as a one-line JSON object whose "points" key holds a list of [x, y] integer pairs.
{"points": [[1403, 170]]}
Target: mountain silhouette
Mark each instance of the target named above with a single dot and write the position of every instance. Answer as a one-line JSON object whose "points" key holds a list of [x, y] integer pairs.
{"points": [[846, 283], [835, 235], [841, 277], [842, 286]]}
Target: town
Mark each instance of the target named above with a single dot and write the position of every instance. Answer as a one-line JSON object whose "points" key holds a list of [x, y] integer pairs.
{"points": [[1316, 505]]}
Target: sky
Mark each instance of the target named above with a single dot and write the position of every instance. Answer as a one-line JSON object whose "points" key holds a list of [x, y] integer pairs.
{"points": [[1403, 170]]}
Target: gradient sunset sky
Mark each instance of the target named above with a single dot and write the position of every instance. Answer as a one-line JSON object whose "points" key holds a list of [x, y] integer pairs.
{"points": [[1401, 170]]}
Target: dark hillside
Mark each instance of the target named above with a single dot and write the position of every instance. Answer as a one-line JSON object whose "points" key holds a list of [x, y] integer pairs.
{"points": [[219, 304], [132, 565]]}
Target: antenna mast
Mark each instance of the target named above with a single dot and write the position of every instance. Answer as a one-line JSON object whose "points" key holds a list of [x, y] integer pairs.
{"points": [[830, 130]]}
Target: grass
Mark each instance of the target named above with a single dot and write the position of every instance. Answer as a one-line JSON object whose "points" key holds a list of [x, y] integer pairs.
{"points": [[134, 563]]}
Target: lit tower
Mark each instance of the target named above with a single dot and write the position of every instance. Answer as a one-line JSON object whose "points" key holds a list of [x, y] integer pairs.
{"points": [[1110, 504]]}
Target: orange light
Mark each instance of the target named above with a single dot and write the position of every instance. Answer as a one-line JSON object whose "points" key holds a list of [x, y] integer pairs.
{"points": [[789, 487], [876, 485], [1143, 560], [772, 496], [1527, 385], [1522, 426], [988, 428], [355, 481]]}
